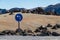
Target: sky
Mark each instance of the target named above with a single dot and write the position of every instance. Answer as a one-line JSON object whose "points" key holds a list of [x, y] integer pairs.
{"points": [[7, 4]]}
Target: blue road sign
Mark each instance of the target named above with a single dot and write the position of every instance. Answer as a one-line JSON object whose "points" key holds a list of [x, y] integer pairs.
{"points": [[18, 17]]}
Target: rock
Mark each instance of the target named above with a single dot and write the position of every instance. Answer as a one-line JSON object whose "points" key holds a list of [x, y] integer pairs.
{"points": [[45, 32], [49, 25], [37, 30], [54, 27], [2, 33], [42, 28], [55, 34], [58, 25], [8, 32]]}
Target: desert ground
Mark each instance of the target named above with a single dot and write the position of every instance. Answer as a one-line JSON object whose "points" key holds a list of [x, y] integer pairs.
{"points": [[30, 21]]}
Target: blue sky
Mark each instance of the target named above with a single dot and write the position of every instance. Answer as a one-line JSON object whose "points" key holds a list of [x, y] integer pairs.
{"points": [[7, 4]]}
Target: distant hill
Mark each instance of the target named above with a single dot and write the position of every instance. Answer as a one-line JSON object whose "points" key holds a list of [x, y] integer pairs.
{"points": [[3, 11], [49, 10], [53, 8]]}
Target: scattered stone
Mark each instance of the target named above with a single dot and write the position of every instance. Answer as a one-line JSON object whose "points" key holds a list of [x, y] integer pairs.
{"points": [[37, 30], [55, 34], [49, 25]]}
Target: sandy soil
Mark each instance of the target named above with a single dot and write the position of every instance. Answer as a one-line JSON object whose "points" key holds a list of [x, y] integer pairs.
{"points": [[30, 21]]}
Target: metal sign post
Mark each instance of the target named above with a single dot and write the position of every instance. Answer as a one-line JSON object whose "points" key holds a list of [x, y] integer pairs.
{"points": [[18, 25]]}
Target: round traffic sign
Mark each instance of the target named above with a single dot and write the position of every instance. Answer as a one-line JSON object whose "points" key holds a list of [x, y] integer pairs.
{"points": [[18, 17]]}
